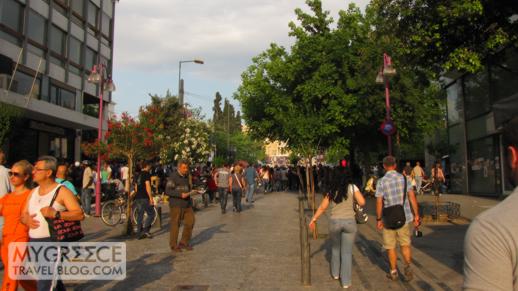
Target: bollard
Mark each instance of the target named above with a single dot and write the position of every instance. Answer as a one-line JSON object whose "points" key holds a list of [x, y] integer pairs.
{"points": [[304, 247]]}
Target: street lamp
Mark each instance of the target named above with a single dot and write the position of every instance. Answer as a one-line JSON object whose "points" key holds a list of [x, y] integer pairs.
{"points": [[99, 75], [387, 127], [180, 81]]}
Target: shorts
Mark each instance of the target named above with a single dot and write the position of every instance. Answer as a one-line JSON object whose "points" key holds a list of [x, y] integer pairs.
{"points": [[393, 236]]}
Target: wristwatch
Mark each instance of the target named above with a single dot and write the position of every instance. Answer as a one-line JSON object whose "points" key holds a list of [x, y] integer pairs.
{"points": [[57, 215], [378, 219]]}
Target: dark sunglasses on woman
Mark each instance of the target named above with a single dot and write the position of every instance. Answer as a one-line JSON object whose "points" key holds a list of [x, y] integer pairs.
{"points": [[17, 175]]}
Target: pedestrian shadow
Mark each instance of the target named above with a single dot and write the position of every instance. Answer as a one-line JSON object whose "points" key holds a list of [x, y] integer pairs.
{"points": [[207, 234], [372, 250], [96, 235], [138, 274], [326, 246]]}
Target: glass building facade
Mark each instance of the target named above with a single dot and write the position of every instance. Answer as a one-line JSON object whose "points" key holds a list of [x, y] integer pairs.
{"points": [[47, 49], [478, 105]]}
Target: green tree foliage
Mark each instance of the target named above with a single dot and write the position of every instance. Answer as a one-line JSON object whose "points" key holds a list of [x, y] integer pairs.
{"points": [[322, 92], [8, 115], [448, 35]]}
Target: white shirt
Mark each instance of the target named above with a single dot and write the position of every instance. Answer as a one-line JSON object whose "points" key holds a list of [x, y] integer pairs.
{"points": [[124, 173], [37, 202]]}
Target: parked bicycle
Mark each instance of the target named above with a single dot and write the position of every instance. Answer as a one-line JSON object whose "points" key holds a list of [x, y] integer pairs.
{"points": [[113, 212]]}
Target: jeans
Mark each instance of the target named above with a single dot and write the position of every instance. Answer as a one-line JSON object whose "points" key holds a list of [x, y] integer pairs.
{"points": [[86, 199], [418, 183], [250, 192], [223, 196], [177, 215], [236, 195], [342, 233], [142, 205], [46, 285], [266, 185]]}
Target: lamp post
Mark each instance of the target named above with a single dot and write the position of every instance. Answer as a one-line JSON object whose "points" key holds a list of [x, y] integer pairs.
{"points": [[387, 127], [99, 75], [180, 81]]}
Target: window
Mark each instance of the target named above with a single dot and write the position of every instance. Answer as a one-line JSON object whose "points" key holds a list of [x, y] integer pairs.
{"points": [[74, 69], [90, 58], [476, 96], [57, 40], [62, 97], [12, 15], [35, 50], [505, 76], [36, 27], [454, 93], [24, 82], [74, 51], [93, 12], [105, 29], [9, 38], [60, 9], [78, 7]]}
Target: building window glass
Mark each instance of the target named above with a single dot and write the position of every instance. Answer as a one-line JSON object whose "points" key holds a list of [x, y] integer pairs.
{"points": [[74, 69], [105, 29], [454, 93], [505, 76], [78, 7], [57, 40], [60, 9], [476, 96], [35, 50], [12, 14], [483, 175], [74, 52], [93, 12], [56, 61], [36, 27], [457, 159], [90, 58], [62, 97], [12, 39], [23, 83]]}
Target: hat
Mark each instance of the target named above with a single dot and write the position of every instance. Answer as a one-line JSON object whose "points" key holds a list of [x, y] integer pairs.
{"points": [[77, 164]]}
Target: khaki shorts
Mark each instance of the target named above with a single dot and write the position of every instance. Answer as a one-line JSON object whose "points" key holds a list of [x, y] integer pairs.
{"points": [[393, 236]]}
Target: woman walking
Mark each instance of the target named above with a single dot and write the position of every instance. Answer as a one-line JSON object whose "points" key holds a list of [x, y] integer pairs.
{"points": [[342, 224], [11, 206], [236, 183]]}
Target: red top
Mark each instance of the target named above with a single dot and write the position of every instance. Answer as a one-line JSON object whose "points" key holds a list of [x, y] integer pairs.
{"points": [[11, 209]]}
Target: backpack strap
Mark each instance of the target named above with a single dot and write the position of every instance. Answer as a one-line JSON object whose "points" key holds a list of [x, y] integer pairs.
{"points": [[405, 190]]}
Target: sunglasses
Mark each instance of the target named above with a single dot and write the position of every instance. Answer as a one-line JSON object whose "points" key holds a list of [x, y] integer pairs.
{"points": [[14, 174], [37, 170]]}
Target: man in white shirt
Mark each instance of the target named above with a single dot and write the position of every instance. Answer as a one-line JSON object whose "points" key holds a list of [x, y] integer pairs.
{"points": [[418, 174], [124, 176]]}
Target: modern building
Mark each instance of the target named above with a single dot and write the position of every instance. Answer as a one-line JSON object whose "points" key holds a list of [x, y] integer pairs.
{"points": [[478, 107], [47, 49]]}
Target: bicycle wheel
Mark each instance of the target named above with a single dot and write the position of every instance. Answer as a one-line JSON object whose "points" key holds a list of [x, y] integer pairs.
{"points": [[111, 213], [134, 216]]}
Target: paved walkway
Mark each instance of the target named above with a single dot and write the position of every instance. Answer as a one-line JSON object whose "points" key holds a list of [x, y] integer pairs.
{"points": [[259, 249]]}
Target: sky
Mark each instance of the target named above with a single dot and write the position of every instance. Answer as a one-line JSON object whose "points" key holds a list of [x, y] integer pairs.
{"points": [[152, 36]]}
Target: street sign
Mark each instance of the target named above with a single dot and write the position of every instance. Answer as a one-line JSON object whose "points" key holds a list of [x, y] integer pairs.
{"points": [[388, 127]]}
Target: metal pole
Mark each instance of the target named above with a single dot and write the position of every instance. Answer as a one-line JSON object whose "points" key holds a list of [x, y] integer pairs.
{"points": [[387, 101], [99, 138], [304, 246], [180, 97]]}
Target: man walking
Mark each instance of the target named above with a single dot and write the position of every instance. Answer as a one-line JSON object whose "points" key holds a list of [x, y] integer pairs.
{"points": [[390, 192], [221, 178], [144, 202], [251, 177], [491, 243], [87, 189], [179, 190], [418, 174]]}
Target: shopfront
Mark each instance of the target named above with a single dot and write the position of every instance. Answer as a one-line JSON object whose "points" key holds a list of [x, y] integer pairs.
{"points": [[475, 120]]}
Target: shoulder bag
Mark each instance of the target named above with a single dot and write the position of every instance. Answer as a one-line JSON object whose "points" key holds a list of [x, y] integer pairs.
{"points": [[394, 216], [63, 230], [359, 214]]}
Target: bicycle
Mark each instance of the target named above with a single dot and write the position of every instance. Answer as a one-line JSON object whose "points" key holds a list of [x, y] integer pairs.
{"points": [[113, 212]]}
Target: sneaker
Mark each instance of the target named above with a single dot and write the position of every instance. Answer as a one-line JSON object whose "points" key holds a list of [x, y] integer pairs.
{"points": [[142, 236], [87, 215], [234, 209], [393, 276], [185, 247], [346, 286], [409, 275], [149, 235], [223, 211], [335, 278]]}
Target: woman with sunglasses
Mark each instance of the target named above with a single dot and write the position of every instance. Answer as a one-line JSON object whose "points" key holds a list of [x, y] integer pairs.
{"points": [[14, 231]]}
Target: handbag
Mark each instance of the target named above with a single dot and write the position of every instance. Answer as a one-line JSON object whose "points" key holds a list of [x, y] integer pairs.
{"points": [[359, 214], [394, 216], [63, 230]]}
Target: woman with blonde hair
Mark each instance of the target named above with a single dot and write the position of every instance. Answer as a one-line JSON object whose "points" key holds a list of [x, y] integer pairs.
{"points": [[11, 206], [236, 184]]}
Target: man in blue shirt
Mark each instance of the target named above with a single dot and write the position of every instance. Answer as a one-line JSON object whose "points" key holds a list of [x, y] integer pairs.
{"points": [[61, 178], [250, 176], [390, 192]]}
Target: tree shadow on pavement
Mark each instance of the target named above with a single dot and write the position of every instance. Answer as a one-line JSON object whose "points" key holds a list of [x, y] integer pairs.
{"points": [[326, 246], [138, 274], [207, 234], [372, 250]]}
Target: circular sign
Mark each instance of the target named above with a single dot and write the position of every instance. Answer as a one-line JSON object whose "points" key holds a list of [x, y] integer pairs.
{"points": [[388, 127]]}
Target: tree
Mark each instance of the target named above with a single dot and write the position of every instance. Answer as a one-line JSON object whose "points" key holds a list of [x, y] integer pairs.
{"points": [[8, 115], [444, 35], [217, 117]]}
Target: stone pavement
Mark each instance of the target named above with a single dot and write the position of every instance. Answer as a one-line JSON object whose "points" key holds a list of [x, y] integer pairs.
{"points": [[259, 249]]}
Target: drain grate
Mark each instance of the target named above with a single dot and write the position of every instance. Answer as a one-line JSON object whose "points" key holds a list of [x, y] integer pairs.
{"points": [[191, 288]]}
